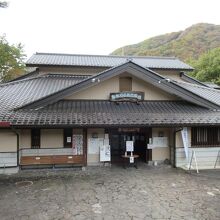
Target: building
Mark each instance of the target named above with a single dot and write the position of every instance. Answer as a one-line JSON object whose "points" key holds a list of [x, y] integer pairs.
{"points": [[60, 112]]}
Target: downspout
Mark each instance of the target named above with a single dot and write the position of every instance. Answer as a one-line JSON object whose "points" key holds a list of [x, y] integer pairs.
{"points": [[17, 134], [174, 153]]}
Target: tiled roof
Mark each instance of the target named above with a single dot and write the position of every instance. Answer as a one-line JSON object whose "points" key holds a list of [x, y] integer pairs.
{"points": [[207, 93], [17, 93], [105, 61], [135, 70], [212, 85], [106, 113]]}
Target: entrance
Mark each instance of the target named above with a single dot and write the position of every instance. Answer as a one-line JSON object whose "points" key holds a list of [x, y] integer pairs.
{"points": [[118, 138]]}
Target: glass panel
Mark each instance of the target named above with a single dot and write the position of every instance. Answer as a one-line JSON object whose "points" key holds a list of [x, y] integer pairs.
{"points": [[35, 138], [67, 138]]}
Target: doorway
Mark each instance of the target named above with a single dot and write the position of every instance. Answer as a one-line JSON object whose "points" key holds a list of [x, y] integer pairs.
{"points": [[118, 138]]}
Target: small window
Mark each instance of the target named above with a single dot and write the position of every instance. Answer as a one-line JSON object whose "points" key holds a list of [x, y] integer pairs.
{"points": [[218, 135], [206, 136], [67, 142], [125, 84], [202, 136], [35, 138]]}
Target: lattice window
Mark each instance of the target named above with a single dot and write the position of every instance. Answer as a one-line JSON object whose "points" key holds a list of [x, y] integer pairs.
{"points": [[35, 138], [206, 136], [218, 135]]}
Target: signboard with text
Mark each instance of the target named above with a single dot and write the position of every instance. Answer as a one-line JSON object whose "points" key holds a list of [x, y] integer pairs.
{"points": [[130, 146], [127, 96]]}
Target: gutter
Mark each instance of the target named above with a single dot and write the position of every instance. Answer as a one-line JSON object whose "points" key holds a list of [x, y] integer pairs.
{"points": [[174, 153], [17, 134]]}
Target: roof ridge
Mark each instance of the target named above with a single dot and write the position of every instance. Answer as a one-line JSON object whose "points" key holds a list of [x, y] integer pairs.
{"points": [[99, 55], [66, 75], [20, 81], [41, 76]]}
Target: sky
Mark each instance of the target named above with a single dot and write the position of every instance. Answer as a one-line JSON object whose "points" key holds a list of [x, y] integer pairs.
{"points": [[98, 26]]}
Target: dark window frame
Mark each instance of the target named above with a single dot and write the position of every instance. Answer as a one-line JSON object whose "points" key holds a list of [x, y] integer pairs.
{"points": [[35, 138], [67, 132], [205, 136]]}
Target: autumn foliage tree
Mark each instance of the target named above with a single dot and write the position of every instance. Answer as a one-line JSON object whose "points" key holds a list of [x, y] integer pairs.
{"points": [[3, 4], [207, 67], [11, 60]]}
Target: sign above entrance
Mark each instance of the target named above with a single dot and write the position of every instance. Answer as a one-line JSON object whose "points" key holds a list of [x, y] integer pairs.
{"points": [[129, 129], [127, 96]]}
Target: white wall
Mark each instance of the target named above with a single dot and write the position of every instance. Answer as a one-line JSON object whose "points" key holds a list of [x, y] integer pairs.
{"points": [[8, 141], [206, 157], [8, 148], [51, 138], [25, 138], [94, 159], [161, 153], [8, 159]]}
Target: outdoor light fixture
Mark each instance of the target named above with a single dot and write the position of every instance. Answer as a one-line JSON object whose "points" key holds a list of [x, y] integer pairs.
{"points": [[167, 80], [95, 80], [129, 59]]}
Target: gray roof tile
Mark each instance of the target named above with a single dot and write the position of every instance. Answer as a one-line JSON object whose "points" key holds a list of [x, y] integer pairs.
{"points": [[106, 113], [105, 61], [145, 74], [17, 93], [207, 93]]}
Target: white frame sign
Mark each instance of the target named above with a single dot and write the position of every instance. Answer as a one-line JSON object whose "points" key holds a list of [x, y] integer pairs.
{"points": [[105, 153], [130, 146], [131, 159]]}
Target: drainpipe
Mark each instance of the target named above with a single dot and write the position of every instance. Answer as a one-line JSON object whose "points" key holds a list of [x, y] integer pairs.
{"points": [[174, 153], [17, 134]]}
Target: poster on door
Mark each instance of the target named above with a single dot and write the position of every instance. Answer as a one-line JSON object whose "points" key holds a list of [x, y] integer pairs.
{"points": [[77, 144], [129, 146], [94, 145], [105, 153]]}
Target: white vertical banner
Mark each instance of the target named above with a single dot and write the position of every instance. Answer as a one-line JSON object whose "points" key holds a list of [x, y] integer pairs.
{"points": [[184, 134]]}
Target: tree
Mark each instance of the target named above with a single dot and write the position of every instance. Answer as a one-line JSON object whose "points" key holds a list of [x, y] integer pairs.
{"points": [[207, 67], [3, 4], [11, 60]]}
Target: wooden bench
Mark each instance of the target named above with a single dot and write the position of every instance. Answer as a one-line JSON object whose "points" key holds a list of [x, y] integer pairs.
{"points": [[51, 160]]}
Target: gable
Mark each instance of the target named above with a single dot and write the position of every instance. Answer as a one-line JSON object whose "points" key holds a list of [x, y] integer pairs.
{"points": [[140, 72], [102, 90]]}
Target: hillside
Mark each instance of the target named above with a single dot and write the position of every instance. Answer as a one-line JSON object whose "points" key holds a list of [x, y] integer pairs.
{"points": [[187, 44]]}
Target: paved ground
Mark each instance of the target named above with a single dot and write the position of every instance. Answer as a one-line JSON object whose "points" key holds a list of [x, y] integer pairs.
{"points": [[111, 193]]}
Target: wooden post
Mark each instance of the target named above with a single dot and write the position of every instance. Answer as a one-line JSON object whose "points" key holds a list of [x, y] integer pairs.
{"points": [[85, 146]]}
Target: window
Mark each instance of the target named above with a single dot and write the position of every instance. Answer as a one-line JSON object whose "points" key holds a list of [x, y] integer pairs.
{"points": [[67, 142], [125, 84], [35, 138], [205, 136]]}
